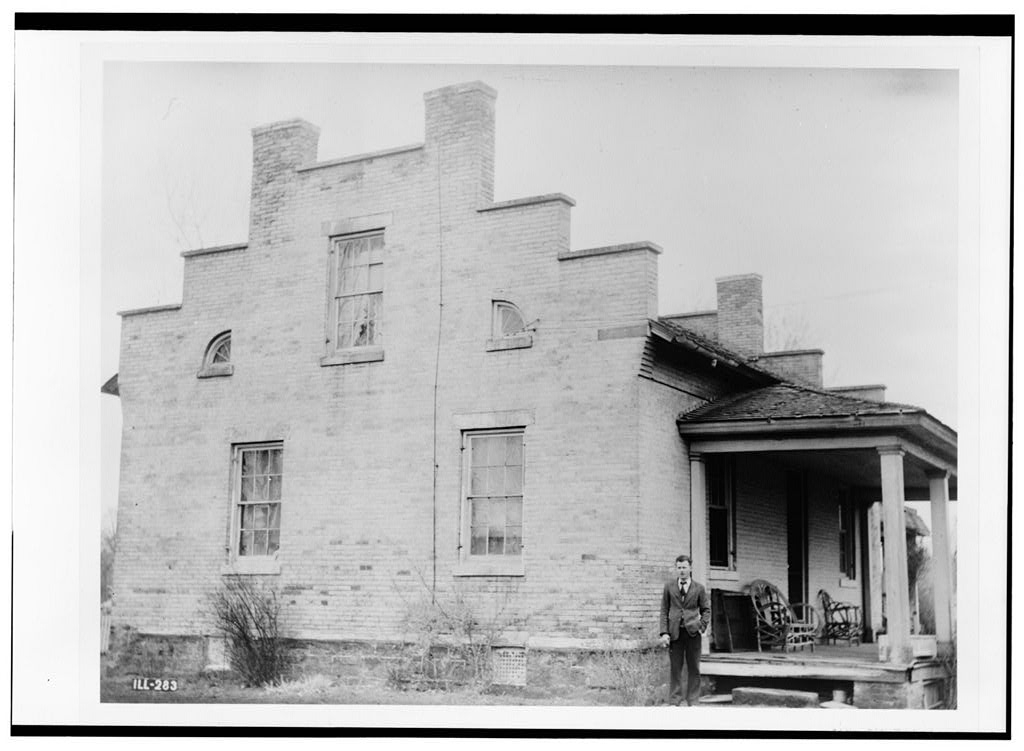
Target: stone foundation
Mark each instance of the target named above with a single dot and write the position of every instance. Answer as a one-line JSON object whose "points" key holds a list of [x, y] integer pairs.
{"points": [[868, 695], [640, 675]]}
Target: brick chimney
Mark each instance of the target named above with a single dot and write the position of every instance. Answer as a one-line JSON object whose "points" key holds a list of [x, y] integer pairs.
{"points": [[460, 133], [740, 317], [277, 149]]}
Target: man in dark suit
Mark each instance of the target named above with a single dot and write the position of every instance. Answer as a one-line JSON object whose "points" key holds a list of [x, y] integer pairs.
{"points": [[685, 615]]}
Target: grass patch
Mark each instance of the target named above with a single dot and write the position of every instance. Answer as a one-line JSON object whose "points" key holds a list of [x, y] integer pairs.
{"points": [[310, 687]]}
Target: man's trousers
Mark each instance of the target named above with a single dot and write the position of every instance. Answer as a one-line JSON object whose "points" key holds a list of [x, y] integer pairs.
{"points": [[685, 649]]}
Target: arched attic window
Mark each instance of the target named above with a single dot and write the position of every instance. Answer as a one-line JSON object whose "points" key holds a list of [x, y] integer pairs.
{"points": [[217, 360], [507, 319], [508, 327]]}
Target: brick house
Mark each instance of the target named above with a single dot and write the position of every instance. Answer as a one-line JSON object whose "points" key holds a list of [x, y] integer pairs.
{"points": [[398, 388]]}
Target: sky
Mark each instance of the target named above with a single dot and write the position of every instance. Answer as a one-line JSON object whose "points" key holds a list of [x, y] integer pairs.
{"points": [[837, 185]]}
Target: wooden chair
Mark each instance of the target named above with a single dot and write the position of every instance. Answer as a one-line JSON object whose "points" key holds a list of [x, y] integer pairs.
{"points": [[842, 620], [780, 624]]}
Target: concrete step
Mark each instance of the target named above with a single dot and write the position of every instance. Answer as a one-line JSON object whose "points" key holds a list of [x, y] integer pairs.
{"points": [[773, 697], [716, 700]]}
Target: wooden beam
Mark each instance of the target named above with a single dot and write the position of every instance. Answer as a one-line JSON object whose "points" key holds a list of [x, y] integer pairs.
{"points": [[752, 668], [875, 581], [897, 588], [927, 456], [928, 671], [699, 528], [823, 443], [792, 425], [941, 567], [746, 445]]}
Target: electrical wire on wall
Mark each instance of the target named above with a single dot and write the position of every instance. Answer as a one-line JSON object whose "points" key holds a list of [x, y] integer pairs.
{"points": [[437, 367]]}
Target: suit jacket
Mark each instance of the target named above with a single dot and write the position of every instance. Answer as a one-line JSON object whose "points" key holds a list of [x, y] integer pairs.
{"points": [[693, 612]]}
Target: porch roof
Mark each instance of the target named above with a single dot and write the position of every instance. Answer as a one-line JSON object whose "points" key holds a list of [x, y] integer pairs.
{"points": [[788, 401], [786, 409], [827, 431]]}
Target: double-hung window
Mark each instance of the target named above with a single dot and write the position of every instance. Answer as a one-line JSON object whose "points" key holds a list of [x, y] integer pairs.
{"points": [[493, 497], [258, 476], [721, 513], [357, 291]]}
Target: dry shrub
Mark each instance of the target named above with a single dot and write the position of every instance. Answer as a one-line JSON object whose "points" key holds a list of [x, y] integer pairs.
{"points": [[454, 639], [246, 612], [637, 674]]}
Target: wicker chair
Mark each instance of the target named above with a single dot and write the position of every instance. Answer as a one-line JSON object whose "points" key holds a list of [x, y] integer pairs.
{"points": [[780, 624], [842, 620]]}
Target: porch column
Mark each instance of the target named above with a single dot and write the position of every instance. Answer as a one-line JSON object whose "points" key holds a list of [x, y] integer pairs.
{"points": [[875, 578], [699, 529], [897, 592], [938, 492]]}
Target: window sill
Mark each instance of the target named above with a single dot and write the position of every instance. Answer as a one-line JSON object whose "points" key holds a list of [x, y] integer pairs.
{"points": [[255, 565], [353, 356], [216, 371], [517, 341], [490, 568], [845, 583], [723, 574]]}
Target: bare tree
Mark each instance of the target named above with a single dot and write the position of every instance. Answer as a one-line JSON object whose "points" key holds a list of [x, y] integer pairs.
{"points": [[786, 331], [184, 209], [108, 549]]}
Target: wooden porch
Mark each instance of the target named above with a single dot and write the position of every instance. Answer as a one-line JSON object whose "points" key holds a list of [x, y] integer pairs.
{"points": [[854, 670], [881, 453]]}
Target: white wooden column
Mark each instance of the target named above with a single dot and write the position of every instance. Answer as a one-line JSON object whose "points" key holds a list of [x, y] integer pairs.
{"points": [[699, 518], [699, 530], [875, 569], [942, 579], [897, 587]]}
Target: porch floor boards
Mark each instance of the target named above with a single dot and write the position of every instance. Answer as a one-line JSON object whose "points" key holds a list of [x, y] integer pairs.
{"points": [[827, 661], [826, 652]]}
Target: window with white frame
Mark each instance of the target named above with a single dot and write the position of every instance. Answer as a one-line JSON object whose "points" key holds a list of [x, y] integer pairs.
{"points": [[357, 291], [508, 328], [258, 476], [847, 548], [506, 319], [721, 512], [217, 358], [493, 495]]}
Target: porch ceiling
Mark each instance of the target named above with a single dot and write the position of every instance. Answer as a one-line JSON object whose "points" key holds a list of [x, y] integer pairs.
{"points": [[858, 468]]}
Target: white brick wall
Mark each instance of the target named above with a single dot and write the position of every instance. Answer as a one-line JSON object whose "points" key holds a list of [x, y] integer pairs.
{"points": [[358, 506]]}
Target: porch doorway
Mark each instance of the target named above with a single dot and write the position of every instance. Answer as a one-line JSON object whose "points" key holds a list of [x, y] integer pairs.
{"points": [[796, 535]]}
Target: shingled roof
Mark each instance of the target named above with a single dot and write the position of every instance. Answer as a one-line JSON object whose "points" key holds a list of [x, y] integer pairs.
{"points": [[788, 400], [713, 350]]}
